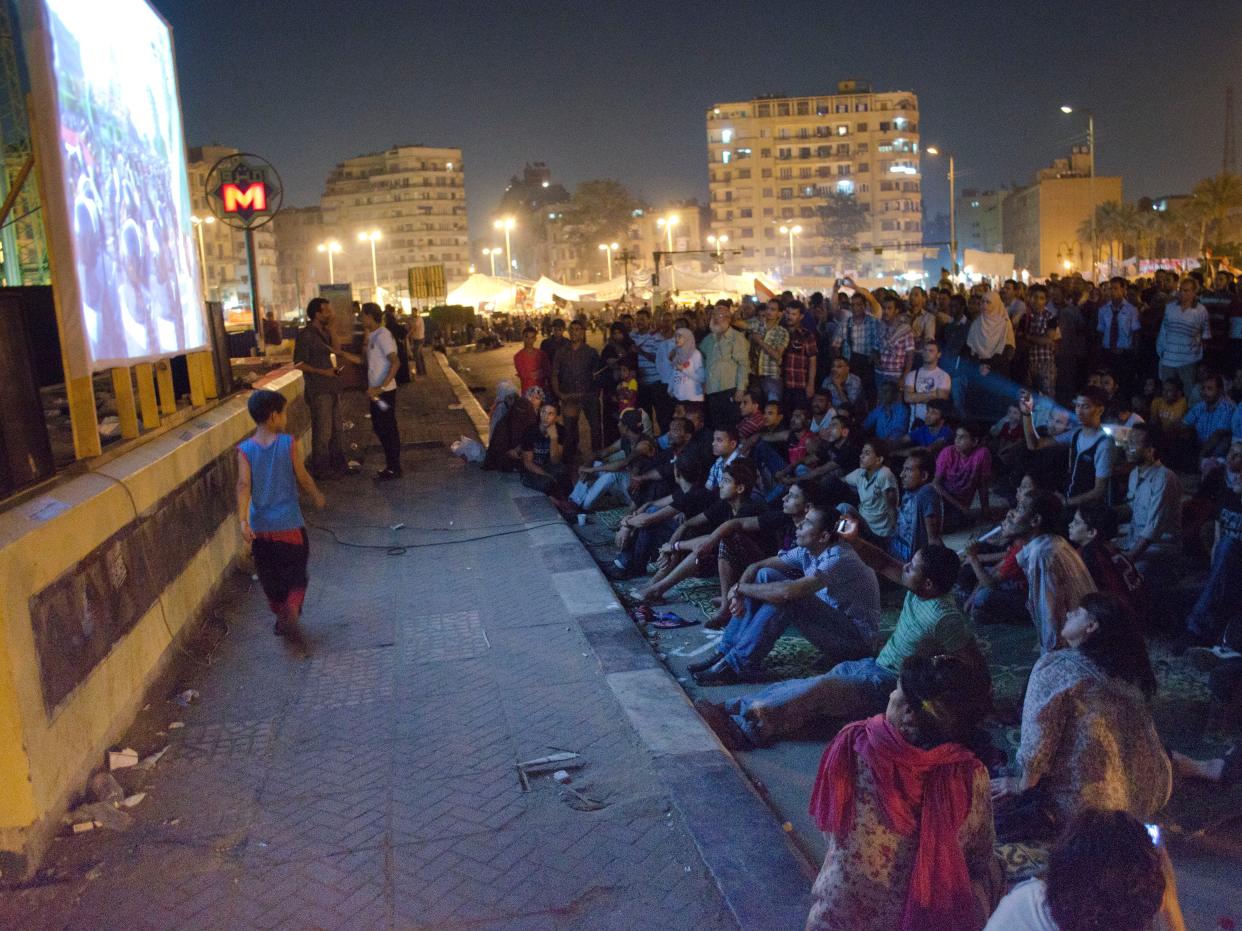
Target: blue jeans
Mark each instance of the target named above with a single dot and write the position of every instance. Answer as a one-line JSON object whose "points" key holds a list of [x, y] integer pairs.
{"points": [[849, 691], [1000, 604], [645, 541], [749, 639], [1218, 602]]}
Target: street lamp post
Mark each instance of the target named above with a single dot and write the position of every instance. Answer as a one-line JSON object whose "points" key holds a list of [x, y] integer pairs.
{"points": [[199, 223], [667, 223], [491, 255], [791, 231], [507, 224], [372, 237], [718, 242], [1095, 243], [331, 247], [608, 247], [932, 150]]}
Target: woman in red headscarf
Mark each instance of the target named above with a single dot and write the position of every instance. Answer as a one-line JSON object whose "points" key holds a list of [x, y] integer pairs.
{"points": [[907, 810]]}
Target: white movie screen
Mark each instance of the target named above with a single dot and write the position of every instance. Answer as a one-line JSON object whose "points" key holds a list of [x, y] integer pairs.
{"points": [[122, 154]]}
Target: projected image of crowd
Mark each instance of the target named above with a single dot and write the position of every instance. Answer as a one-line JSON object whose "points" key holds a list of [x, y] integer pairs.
{"points": [[127, 194]]}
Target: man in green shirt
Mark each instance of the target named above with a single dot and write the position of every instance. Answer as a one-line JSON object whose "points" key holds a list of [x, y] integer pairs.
{"points": [[930, 620]]}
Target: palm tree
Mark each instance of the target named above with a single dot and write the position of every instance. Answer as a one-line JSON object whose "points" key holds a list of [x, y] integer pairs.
{"points": [[1215, 200]]}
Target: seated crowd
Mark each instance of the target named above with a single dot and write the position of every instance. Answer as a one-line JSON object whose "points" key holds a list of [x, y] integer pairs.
{"points": [[808, 455]]}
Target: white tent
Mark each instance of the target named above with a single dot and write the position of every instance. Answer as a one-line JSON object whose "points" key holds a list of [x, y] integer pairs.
{"points": [[483, 292], [987, 264], [546, 289]]}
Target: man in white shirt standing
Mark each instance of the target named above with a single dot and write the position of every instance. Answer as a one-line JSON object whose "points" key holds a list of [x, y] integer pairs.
{"points": [[1182, 332], [381, 356], [928, 382]]}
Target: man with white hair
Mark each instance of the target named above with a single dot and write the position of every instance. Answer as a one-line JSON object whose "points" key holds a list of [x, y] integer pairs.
{"points": [[726, 359]]}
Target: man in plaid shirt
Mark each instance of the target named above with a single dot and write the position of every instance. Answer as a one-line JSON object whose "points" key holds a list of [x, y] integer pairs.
{"points": [[769, 339], [863, 336], [896, 346], [799, 365], [1039, 326]]}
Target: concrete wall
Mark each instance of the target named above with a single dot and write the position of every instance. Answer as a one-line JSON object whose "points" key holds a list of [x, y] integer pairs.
{"points": [[80, 641]]}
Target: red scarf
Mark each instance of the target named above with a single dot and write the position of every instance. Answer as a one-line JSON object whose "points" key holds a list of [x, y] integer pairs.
{"points": [[927, 791]]}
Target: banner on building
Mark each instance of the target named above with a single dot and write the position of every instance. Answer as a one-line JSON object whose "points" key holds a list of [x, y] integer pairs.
{"points": [[427, 282]]}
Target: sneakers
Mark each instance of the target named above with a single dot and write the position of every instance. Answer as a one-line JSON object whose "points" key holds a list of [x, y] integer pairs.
{"points": [[387, 475], [720, 674], [705, 664]]}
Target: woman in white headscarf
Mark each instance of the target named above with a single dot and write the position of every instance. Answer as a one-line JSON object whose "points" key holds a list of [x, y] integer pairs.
{"points": [[687, 368], [989, 348], [990, 338]]}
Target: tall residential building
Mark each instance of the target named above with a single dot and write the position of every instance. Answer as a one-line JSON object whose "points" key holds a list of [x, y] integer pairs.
{"points": [[980, 220], [1042, 220], [533, 200], [415, 198], [773, 160], [300, 266], [225, 266]]}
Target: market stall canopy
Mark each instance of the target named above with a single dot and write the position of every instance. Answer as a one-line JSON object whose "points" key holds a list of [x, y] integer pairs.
{"points": [[479, 290]]}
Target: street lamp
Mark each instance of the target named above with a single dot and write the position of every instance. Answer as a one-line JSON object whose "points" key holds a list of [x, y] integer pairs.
{"points": [[791, 231], [331, 247], [1095, 244], [718, 242], [932, 150], [667, 223], [507, 224], [491, 255], [199, 223], [372, 237], [608, 248]]}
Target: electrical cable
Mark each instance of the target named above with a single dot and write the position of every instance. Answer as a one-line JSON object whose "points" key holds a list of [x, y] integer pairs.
{"points": [[402, 549]]}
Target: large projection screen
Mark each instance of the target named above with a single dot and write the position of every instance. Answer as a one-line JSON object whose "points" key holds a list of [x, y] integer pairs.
{"points": [[107, 120]]}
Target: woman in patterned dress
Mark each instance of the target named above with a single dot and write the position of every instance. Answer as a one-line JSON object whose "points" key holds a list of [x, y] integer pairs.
{"points": [[1088, 739], [907, 812]]}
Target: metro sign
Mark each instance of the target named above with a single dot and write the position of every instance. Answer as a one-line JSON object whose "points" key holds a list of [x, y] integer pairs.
{"points": [[243, 191], [244, 199]]}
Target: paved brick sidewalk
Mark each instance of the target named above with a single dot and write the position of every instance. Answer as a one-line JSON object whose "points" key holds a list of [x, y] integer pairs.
{"points": [[372, 784]]}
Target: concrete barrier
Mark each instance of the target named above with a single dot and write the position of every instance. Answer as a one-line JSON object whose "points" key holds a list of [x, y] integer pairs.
{"points": [[99, 578]]}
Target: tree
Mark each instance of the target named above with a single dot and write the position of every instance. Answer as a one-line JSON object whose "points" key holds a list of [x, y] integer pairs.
{"points": [[841, 218], [599, 211], [1215, 200]]}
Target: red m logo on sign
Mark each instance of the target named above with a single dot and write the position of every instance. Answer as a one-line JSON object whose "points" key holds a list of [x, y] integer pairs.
{"points": [[249, 199]]}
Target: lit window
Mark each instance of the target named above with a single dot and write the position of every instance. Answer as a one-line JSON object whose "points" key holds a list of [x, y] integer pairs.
{"points": [[726, 136], [843, 130], [725, 156]]}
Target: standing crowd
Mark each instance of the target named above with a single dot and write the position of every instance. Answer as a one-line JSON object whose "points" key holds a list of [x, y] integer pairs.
{"points": [[1083, 446]]}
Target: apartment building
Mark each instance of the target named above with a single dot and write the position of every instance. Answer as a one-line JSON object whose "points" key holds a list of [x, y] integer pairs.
{"points": [[980, 220], [773, 160], [414, 197], [300, 266], [1042, 220], [223, 248]]}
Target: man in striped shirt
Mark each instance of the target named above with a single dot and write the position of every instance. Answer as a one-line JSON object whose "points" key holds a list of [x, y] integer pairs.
{"points": [[1182, 332]]}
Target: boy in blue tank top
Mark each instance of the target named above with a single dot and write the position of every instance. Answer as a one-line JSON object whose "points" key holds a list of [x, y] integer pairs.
{"points": [[269, 471]]}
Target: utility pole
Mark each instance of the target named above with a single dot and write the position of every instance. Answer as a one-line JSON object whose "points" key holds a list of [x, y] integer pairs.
{"points": [[1229, 157]]}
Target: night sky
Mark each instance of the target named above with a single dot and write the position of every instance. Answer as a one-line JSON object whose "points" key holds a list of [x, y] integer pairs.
{"points": [[619, 90]]}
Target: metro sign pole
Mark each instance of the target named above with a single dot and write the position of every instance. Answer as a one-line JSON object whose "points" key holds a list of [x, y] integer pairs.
{"points": [[244, 192]]}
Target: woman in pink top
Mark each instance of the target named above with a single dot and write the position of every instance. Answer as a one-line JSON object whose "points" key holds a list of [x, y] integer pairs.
{"points": [[963, 470]]}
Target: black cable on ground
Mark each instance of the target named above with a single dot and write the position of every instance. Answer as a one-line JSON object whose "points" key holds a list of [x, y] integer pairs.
{"points": [[402, 549]]}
